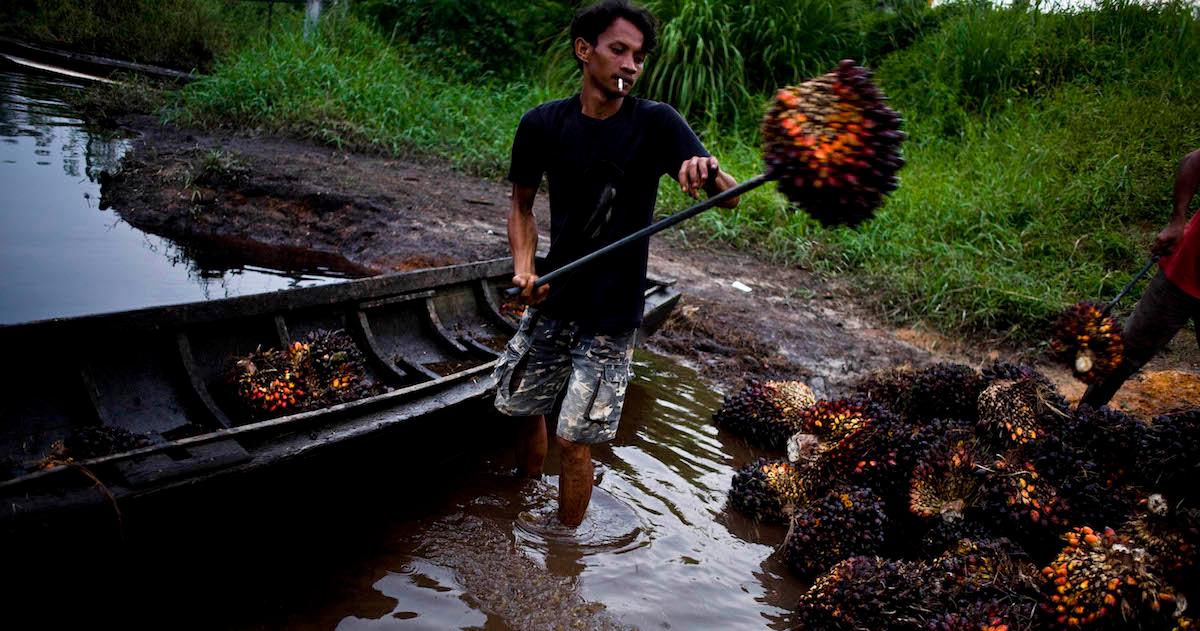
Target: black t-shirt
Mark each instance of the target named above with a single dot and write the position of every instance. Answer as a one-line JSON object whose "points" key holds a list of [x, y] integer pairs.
{"points": [[603, 178]]}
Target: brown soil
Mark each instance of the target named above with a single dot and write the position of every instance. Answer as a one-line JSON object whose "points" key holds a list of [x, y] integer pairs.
{"points": [[378, 214]]}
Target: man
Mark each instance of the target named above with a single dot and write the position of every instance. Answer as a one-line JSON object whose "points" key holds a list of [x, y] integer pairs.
{"points": [[603, 153], [1173, 295]]}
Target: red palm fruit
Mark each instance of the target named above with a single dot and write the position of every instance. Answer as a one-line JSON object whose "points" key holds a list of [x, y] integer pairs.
{"points": [[1099, 578], [1088, 342], [1011, 411]]}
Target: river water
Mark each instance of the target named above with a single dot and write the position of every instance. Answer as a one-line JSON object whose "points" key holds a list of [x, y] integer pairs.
{"points": [[420, 530], [60, 255]]}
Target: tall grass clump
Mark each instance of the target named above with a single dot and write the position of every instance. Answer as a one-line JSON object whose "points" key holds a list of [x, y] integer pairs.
{"points": [[352, 87], [184, 34], [474, 39]]}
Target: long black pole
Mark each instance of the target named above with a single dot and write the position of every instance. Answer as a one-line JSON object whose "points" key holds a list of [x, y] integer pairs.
{"points": [[1136, 277], [682, 215]]}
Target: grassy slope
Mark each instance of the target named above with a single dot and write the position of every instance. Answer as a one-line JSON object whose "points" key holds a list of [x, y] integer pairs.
{"points": [[1041, 160]]}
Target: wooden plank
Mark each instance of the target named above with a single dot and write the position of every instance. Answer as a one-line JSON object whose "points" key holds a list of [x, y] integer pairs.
{"points": [[148, 470], [436, 323]]}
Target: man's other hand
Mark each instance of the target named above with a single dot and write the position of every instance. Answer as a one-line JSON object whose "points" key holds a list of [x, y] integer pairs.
{"points": [[1166, 240], [528, 295], [695, 172]]}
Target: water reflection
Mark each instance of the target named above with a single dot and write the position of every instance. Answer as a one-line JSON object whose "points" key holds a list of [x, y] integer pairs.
{"points": [[62, 255]]}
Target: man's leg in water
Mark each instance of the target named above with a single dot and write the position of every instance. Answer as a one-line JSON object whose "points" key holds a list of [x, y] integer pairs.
{"points": [[574, 482], [531, 445]]}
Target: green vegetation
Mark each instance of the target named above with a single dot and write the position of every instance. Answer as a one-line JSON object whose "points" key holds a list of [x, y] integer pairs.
{"points": [[1042, 147], [184, 34]]}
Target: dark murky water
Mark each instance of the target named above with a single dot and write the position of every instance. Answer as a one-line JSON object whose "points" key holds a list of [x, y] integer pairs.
{"points": [[62, 256], [419, 530]]}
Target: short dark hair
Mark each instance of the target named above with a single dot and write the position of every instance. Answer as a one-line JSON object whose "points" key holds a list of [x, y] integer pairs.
{"points": [[593, 20]]}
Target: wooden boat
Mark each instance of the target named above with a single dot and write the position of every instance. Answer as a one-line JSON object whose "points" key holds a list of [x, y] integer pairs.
{"points": [[428, 338]]}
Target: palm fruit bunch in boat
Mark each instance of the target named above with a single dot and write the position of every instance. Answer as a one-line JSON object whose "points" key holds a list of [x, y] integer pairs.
{"points": [[945, 391], [337, 371], [1100, 580], [765, 413], [270, 381], [1168, 455], [946, 482], [102, 440], [834, 145], [1170, 534], [889, 387], [867, 592], [767, 490], [1088, 342], [845, 522]]}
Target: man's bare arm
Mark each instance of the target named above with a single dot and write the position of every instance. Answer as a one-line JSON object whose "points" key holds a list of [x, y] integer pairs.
{"points": [[1186, 183], [523, 241], [694, 175]]}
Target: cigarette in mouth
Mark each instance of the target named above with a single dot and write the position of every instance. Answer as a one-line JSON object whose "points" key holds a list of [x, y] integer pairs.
{"points": [[620, 84]]}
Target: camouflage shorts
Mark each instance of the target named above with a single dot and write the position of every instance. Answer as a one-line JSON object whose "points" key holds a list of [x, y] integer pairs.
{"points": [[546, 355]]}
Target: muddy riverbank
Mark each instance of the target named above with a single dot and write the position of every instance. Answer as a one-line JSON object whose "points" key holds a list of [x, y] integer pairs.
{"points": [[385, 214]]}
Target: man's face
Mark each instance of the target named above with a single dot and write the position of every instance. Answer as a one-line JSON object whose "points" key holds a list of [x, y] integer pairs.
{"points": [[615, 63]]}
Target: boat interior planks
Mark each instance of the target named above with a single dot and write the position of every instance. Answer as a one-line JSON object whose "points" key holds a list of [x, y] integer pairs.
{"points": [[113, 406]]}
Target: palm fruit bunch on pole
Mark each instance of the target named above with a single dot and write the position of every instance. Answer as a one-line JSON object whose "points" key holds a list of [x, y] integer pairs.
{"points": [[765, 413], [271, 381], [946, 481], [834, 145], [768, 490], [1101, 580], [1170, 534], [845, 522], [1088, 342], [867, 592]]}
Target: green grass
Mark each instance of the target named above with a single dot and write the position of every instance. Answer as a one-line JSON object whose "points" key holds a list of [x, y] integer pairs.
{"points": [[184, 34], [1040, 162], [352, 88]]}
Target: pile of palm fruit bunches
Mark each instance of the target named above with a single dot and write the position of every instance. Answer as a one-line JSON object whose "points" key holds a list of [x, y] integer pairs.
{"points": [[833, 144], [323, 369], [950, 498]]}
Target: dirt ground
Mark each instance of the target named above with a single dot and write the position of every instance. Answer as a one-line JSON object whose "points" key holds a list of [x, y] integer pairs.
{"points": [[372, 214]]}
